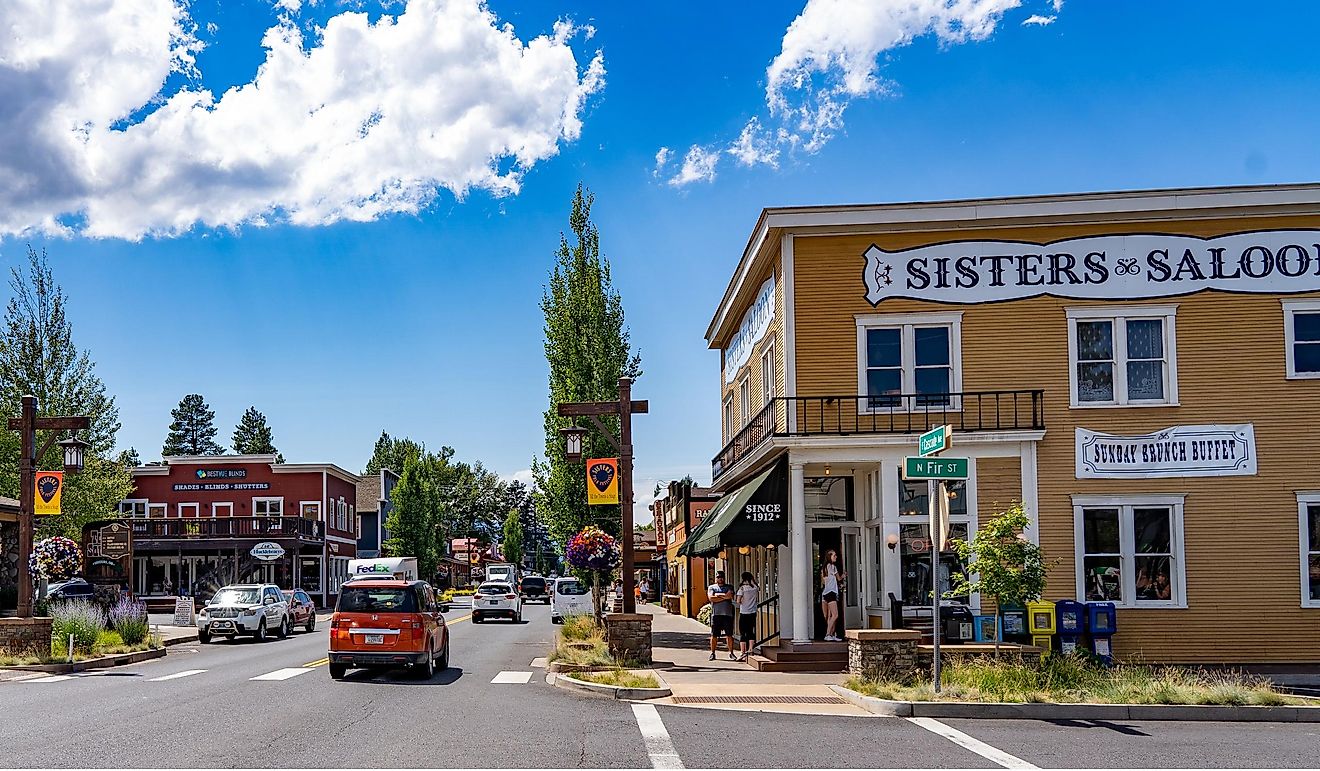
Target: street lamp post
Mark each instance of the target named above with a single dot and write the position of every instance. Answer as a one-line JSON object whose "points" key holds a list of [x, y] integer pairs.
{"points": [[27, 425], [625, 408]]}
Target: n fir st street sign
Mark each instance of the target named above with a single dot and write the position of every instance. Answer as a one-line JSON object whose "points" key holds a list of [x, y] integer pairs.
{"points": [[935, 468], [935, 441]]}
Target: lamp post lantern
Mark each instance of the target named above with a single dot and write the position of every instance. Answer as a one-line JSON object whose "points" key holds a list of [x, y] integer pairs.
{"points": [[573, 443], [27, 424]]}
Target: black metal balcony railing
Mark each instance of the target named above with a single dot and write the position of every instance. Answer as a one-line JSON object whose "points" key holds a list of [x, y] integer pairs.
{"points": [[884, 414], [229, 527]]}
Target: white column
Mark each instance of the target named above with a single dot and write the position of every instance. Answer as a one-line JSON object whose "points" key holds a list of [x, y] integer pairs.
{"points": [[797, 539], [1030, 502], [785, 588], [890, 482]]}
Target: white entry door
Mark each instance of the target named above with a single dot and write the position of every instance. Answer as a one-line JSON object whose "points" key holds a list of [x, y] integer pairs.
{"points": [[852, 590]]}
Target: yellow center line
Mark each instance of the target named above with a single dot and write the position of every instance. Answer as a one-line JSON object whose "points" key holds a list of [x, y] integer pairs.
{"points": [[456, 620]]}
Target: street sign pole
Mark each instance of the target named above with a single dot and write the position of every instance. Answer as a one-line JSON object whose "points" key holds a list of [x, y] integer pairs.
{"points": [[932, 489]]}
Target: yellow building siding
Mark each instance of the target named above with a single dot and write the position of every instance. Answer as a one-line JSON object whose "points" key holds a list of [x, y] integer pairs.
{"points": [[751, 370], [1240, 532]]}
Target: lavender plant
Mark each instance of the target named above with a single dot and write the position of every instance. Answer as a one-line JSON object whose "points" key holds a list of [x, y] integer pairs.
{"points": [[128, 617], [83, 620]]}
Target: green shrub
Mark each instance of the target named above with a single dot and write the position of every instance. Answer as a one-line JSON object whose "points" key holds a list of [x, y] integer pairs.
{"points": [[129, 619], [79, 618], [581, 628]]}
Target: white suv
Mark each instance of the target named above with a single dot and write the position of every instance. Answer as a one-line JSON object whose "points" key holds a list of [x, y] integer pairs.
{"points": [[496, 598], [247, 609]]}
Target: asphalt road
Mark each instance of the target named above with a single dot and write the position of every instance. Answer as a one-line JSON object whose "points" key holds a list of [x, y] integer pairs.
{"points": [[211, 713]]}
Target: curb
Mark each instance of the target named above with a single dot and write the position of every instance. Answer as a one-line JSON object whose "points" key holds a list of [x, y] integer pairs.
{"points": [[100, 662], [611, 691], [1053, 711], [560, 667], [192, 638]]}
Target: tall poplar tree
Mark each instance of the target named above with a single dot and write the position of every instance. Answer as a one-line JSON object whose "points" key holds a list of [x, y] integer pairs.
{"points": [[587, 348], [411, 523], [252, 436], [193, 430], [38, 357], [511, 546]]}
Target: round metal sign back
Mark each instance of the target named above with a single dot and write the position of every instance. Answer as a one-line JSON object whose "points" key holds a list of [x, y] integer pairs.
{"points": [[267, 551]]}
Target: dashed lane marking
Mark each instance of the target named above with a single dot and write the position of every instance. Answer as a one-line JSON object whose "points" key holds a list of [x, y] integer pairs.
{"points": [[658, 745], [513, 677], [177, 675], [992, 754], [282, 674]]}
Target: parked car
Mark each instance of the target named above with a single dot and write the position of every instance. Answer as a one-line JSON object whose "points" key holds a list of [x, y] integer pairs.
{"points": [[302, 611], [245, 609], [388, 623], [73, 589], [496, 599], [569, 597], [534, 588]]}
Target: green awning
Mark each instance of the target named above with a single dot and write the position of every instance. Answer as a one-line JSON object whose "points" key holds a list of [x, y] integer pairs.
{"points": [[755, 514]]}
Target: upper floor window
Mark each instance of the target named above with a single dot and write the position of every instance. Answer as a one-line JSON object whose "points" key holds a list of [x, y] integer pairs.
{"points": [[745, 399], [917, 354], [133, 508], [768, 375], [1122, 356], [728, 417], [267, 507], [1301, 330]]}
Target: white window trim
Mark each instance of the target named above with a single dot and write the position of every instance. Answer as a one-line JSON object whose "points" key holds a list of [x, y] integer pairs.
{"points": [[1167, 313], [1303, 500], [953, 320], [768, 375], [196, 510], [135, 501], [317, 504], [162, 508], [728, 417], [1289, 308], [1127, 546], [217, 505], [267, 498], [745, 400]]}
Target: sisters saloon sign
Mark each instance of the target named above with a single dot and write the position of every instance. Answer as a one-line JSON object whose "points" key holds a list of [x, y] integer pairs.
{"points": [[1098, 267]]}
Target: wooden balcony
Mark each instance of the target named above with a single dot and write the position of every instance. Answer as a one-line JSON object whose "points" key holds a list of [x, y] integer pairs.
{"points": [[852, 415], [236, 528]]}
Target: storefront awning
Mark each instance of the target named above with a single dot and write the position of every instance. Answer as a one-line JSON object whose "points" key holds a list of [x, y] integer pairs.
{"points": [[755, 514]]}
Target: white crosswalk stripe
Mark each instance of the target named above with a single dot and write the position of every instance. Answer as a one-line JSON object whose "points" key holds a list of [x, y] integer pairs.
{"points": [[283, 674], [513, 677], [50, 679], [177, 675]]}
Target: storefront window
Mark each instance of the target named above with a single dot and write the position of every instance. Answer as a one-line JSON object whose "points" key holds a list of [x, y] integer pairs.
{"points": [[829, 499], [915, 546], [1102, 563], [1310, 521], [310, 574], [1127, 551], [914, 502]]}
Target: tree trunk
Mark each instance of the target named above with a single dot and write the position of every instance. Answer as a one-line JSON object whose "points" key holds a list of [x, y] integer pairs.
{"points": [[596, 597]]}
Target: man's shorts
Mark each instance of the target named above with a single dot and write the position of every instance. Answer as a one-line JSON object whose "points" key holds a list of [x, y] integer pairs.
{"points": [[721, 626]]}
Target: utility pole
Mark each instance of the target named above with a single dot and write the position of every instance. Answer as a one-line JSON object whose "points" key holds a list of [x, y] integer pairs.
{"points": [[625, 408], [27, 425]]}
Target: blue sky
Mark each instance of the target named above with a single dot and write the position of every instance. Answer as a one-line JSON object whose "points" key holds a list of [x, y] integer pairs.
{"points": [[195, 263]]}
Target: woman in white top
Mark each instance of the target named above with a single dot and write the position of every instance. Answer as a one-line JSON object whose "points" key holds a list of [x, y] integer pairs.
{"points": [[748, 597], [831, 578]]}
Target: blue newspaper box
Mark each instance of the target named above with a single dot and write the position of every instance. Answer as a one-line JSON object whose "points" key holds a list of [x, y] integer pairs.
{"points": [[1101, 624], [987, 630], [1071, 622]]}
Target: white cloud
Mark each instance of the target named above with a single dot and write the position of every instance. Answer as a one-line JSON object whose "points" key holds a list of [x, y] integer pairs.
{"points": [[755, 145], [661, 161], [524, 476], [1038, 20], [363, 121], [698, 166]]}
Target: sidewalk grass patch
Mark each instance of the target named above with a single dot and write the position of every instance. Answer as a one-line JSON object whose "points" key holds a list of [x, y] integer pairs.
{"points": [[1076, 680], [620, 677], [581, 642]]}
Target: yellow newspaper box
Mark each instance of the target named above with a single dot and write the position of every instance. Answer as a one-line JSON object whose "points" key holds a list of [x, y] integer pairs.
{"points": [[1041, 623]]}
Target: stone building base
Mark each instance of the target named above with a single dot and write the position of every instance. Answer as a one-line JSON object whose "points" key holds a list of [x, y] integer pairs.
{"points": [[25, 636], [882, 654], [629, 636]]}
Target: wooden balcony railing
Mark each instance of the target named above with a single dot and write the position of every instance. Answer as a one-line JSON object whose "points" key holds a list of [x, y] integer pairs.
{"points": [[229, 527], [848, 415]]}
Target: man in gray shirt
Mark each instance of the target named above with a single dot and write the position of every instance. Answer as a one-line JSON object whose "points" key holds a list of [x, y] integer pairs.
{"points": [[720, 595]]}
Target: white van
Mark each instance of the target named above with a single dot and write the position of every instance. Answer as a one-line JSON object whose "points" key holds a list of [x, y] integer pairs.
{"points": [[570, 597], [502, 571]]}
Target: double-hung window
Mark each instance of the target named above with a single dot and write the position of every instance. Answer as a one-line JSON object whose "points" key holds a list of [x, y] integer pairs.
{"points": [[728, 418], [1301, 331], [267, 507], [1129, 550], [745, 399], [909, 361], [1122, 356], [768, 375], [1308, 515], [133, 507]]}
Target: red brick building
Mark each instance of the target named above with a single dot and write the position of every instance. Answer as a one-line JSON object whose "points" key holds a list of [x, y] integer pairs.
{"points": [[197, 518]]}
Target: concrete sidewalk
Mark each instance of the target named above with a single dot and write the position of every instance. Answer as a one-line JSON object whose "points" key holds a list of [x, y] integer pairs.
{"points": [[681, 655]]}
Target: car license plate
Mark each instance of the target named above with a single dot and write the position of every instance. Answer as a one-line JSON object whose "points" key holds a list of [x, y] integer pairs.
{"points": [[375, 639], [494, 602]]}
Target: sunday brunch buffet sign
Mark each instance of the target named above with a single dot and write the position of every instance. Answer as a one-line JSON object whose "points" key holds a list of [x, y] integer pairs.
{"points": [[1099, 267], [1180, 451]]}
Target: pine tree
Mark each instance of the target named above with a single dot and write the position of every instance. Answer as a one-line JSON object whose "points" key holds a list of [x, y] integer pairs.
{"points": [[252, 436], [129, 458], [587, 348], [411, 523], [193, 430], [38, 357], [393, 453]]}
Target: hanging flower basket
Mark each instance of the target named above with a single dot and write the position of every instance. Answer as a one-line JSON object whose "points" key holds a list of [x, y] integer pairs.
{"points": [[55, 559], [593, 549]]}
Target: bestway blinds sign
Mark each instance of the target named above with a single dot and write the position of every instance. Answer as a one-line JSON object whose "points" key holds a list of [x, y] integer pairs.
{"points": [[1127, 266]]}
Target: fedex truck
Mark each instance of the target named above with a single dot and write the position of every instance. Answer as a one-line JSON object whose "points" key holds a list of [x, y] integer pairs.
{"points": [[384, 567]]}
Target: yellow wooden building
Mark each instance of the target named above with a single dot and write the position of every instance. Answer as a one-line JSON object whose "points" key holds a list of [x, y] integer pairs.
{"points": [[1140, 370]]}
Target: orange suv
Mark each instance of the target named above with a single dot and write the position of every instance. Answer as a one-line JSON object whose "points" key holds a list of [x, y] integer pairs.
{"points": [[388, 623]]}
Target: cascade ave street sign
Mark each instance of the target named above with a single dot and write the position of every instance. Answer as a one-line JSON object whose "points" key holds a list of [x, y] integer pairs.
{"points": [[935, 441], [935, 468]]}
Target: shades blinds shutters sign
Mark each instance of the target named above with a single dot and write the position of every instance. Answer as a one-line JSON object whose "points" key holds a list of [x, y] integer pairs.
{"points": [[1180, 451], [1100, 267], [755, 323]]}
